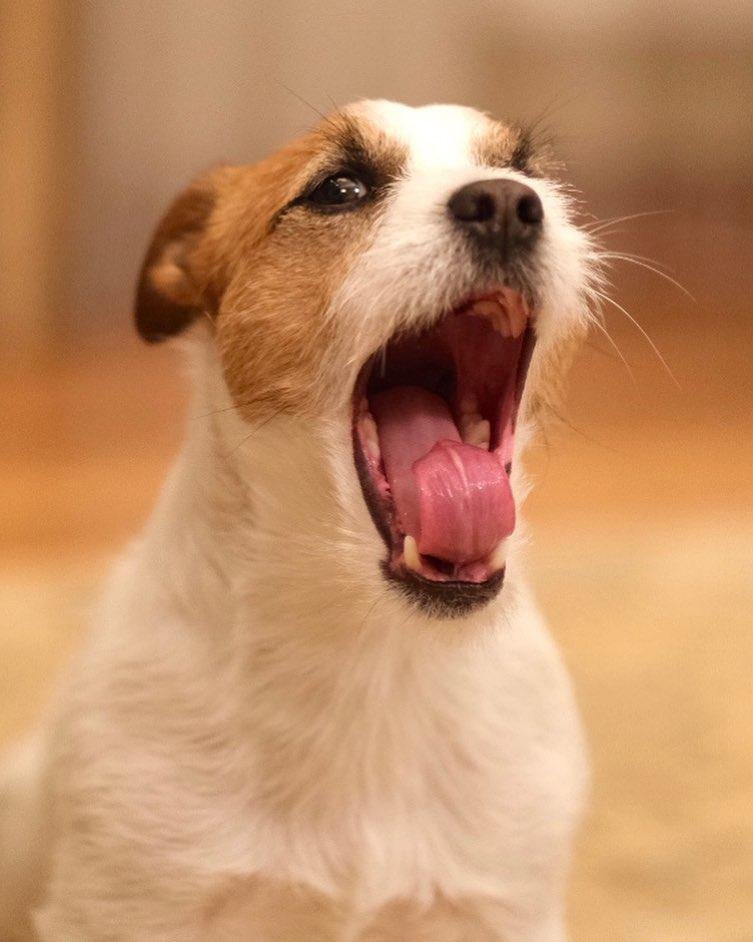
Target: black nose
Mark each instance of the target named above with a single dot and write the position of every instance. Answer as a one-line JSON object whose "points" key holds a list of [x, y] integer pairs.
{"points": [[502, 214]]}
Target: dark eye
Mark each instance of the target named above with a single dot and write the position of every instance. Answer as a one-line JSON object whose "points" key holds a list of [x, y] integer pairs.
{"points": [[338, 191]]}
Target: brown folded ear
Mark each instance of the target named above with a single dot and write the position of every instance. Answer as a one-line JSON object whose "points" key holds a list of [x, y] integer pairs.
{"points": [[169, 294]]}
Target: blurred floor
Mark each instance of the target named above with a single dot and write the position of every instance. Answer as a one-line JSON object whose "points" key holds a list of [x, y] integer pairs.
{"points": [[642, 551]]}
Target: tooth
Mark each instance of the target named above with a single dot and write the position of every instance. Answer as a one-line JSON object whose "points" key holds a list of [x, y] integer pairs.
{"points": [[498, 556], [482, 433], [476, 431], [370, 435], [474, 428], [468, 420], [411, 555], [518, 317], [478, 434], [503, 325], [486, 308], [468, 405], [502, 321], [368, 425], [497, 310]]}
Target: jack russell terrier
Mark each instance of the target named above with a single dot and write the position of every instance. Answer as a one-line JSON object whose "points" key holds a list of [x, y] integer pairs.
{"points": [[320, 702]]}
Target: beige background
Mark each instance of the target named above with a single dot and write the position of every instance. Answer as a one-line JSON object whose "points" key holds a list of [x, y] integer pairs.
{"points": [[642, 528]]}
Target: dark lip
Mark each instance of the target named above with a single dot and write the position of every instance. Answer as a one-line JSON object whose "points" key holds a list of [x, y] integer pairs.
{"points": [[446, 598], [452, 599]]}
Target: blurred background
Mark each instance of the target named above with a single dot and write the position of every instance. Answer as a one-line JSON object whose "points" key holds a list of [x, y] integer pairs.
{"points": [[642, 545]]}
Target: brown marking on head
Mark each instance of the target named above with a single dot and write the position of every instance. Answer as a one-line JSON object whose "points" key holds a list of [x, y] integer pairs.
{"points": [[502, 145], [239, 246], [273, 334]]}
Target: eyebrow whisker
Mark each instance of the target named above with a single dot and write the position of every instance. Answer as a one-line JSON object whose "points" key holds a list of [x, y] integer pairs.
{"points": [[303, 100]]}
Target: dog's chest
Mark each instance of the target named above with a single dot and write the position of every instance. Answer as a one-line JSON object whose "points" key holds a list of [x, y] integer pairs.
{"points": [[346, 838], [279, 913]]}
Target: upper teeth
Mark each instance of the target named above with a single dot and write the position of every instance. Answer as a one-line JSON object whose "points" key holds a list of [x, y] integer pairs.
{"points": [[369, 434], [508, 315], [518, 314]]}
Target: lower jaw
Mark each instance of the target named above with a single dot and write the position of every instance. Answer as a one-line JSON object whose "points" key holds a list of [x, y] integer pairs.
{"points": [[436, 586], [443, 599], [442, 596]]}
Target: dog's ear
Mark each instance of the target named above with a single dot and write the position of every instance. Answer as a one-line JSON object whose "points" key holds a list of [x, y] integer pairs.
{"points": [[170, 293]]}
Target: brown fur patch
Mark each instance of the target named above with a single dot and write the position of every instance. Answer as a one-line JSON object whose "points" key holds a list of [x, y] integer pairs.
{"points": [[272, 331], [265, 270], [503, 146], [366, 146]]}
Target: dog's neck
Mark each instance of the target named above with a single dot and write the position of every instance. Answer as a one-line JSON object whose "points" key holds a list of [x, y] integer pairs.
{"points": [[262, 531], [312, 669]]}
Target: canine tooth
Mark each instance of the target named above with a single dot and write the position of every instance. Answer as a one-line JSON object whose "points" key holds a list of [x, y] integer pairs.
{"points": [[498, 556], [483, 433], [411, 555], [468, 405], [518, 314], [504, 327], [486, 308], [370, 434], [470, 418], [467, 421], [502, 320], [474, 430], [479, 434]]}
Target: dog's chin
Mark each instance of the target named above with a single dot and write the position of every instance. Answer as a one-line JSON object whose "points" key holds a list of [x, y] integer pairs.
{"points": [[433, 421], [453, 598]]}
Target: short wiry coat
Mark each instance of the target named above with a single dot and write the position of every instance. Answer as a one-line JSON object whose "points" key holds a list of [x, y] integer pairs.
{"points": [[263, 740]]}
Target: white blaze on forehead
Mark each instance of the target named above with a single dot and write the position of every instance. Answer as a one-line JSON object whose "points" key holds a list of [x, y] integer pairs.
{"points": [[435, 135], [418, 263]]}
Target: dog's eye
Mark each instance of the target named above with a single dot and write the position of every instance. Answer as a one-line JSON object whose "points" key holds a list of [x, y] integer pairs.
{"points": [[338, 191]]}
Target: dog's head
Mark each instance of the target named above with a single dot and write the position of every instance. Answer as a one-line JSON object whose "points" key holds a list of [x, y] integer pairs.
{"points": [[392, 299]]}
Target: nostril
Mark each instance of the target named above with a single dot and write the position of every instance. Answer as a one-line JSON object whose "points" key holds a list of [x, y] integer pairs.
{"points": [[530, 209], [486, 207], [472, 204]]}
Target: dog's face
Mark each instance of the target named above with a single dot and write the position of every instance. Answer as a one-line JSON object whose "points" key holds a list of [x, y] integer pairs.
{"points": [[405, 286]]}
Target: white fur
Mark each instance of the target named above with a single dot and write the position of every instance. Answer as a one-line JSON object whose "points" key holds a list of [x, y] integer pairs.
{"points": [[434, 134], [257, 708]]}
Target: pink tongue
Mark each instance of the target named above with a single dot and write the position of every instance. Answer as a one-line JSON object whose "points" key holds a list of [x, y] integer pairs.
{"points": [[455, 499], [466, 505]]}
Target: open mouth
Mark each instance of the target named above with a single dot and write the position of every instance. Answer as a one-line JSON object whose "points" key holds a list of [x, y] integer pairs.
{"points": [[434, 426]]}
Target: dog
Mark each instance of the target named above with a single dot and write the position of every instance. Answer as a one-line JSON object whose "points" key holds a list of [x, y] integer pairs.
{"points": [[319, 702]]}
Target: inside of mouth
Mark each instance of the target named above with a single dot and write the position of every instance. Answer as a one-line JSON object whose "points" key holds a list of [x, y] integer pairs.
{"points": [[435, 420]]}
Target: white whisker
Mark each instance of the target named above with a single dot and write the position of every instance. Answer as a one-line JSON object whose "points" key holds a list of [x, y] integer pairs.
{"points": [[601, 225], [597, 323], [605, 297], [643, 263]]}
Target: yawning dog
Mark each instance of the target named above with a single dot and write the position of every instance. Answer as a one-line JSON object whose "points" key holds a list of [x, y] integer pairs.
{"points": [[319, 702]]}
